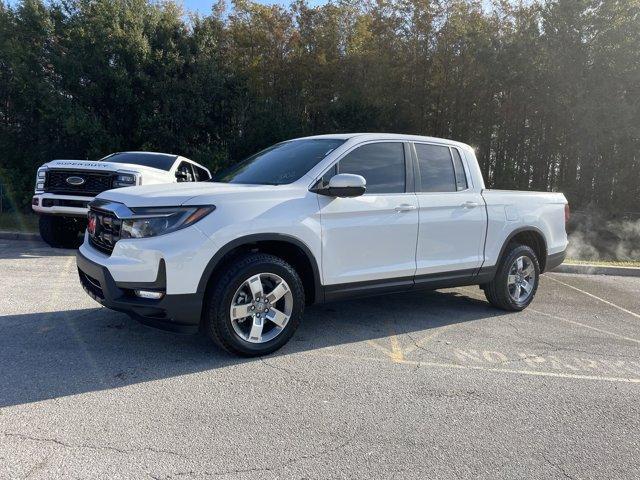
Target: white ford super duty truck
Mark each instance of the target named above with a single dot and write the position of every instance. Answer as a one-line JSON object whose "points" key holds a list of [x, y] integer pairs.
{"points": [[65, 187], [312, 220]]}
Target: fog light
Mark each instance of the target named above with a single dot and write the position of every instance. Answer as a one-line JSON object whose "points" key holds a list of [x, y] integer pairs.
{"points": [[149, 294], [35, 201]]}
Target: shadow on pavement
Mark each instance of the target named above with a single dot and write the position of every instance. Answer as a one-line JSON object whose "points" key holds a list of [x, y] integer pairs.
{"points": [[18, 249], [50, 355]]}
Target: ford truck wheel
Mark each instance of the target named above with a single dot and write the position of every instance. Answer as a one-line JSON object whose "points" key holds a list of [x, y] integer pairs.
{"points": [[516, 280], [60, 232], [255, 306]]}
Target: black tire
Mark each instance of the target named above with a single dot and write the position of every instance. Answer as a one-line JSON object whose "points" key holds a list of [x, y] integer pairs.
{"points": [[216, 321], [497, 291], [60, 232]]}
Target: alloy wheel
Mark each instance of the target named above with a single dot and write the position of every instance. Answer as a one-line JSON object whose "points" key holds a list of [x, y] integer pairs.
{"points": [[521, 279], [261, 308]]}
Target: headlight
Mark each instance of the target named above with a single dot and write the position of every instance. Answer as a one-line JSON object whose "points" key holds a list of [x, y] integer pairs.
{"points": [[40, 179], [152, 221], [124, 180]]}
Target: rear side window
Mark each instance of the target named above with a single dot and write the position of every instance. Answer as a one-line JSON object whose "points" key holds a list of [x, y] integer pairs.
{"points": [[436, 168], [461, 177], [184, 172], [381, 164], [200, 174]]}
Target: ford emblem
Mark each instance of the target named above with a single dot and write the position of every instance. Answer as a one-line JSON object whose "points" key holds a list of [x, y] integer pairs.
{"points": [[75, 181]]}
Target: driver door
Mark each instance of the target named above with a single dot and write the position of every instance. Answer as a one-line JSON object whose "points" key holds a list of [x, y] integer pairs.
{"points": [[369, 242]]}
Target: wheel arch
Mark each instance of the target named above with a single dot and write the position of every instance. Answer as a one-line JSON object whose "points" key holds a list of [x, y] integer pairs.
{"points": [[532, 237], [289, 248]]}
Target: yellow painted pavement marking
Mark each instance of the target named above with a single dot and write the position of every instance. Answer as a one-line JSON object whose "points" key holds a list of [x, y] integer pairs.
{"points": [[423, 341], [622, 309], [380, 348], [396, 351], [489, 369]]}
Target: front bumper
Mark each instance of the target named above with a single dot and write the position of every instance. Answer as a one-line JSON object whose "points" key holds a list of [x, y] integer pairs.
{"points": [[63, 205], [177, 312]]}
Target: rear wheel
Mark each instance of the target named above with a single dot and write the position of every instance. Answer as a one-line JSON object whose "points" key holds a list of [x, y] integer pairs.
{"points": [[516, 281], [255, 306], [61, 232]]}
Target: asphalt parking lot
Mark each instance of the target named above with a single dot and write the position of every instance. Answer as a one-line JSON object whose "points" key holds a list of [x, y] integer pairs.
{"points": [[415, 385]]}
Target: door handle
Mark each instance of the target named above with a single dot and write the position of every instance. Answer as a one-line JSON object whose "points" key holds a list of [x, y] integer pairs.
{"points": [[470, 204], [405, 207]]}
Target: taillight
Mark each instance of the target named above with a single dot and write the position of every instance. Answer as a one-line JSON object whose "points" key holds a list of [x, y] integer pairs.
{"points": [[567, 213]]}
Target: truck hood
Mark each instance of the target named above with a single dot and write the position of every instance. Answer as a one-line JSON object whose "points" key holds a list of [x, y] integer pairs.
{"points": [[94, 165], [174, 194]]}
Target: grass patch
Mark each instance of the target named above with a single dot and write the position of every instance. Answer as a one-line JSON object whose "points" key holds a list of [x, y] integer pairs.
{"points": [[604, 263], [19, 222]]}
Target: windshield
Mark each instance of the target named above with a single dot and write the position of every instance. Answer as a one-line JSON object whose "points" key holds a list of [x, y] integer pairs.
{"points": [[163, 161], [281, 163]]}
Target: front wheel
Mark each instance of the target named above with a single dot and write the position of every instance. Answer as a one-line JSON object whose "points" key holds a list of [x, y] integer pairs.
{"points": [[516, 280], [255, 306]]}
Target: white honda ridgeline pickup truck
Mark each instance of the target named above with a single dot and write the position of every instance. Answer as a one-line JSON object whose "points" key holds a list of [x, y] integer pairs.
{"points": [[65, 187], [312, 220]]}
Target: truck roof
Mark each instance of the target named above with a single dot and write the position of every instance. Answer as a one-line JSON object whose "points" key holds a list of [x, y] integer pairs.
{"points": [[162, 161], [390, 136]]}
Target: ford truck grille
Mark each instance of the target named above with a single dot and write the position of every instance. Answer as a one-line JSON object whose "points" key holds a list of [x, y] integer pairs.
{"points": [[104, 229], [77, 182]]}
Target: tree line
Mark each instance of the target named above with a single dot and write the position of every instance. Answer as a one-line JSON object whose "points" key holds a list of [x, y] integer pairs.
{"points": [[547, 92]]}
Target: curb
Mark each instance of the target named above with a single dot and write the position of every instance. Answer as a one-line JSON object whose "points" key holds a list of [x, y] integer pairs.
{"points": [[597, 270], [30, 237]]}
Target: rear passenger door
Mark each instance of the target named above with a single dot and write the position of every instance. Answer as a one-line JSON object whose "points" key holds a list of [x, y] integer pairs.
{"points": [[452, 217], [371, 237]]}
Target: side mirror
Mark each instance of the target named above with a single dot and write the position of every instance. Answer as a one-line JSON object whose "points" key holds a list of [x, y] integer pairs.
{"points": [[181, 176], [344, 185]]}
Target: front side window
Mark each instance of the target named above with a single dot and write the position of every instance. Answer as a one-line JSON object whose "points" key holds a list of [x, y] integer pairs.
{"points": [[381, 164], [281, 163], [436, 168]]}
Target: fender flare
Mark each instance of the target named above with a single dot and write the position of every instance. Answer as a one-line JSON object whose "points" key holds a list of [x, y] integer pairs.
{"points": [[261, 237], [529, 228]]}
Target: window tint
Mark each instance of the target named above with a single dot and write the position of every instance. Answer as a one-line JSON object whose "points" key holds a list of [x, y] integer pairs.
{"points": [[282, 163], [381, 164], [184, 170], [162, 161], [461, 177], [200, 174], [436, 168]]}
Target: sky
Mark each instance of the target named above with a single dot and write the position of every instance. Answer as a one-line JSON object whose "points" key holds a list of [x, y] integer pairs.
{"points": [[204, 6]]}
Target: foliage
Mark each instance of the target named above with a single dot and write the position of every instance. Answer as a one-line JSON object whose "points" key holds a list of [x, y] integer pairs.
{"points": [[546, 91]]}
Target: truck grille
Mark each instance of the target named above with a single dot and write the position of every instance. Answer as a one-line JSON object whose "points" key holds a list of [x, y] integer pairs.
{"points": [[104, 229], [94, 182]]}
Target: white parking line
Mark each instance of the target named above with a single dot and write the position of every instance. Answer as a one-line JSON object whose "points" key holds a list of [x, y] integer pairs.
{"points": [[562, 319], [484, 368], [622, 309]]}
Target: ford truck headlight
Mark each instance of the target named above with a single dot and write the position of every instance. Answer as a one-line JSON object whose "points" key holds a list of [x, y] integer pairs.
{"points": [[40, 179], [154, 221], [124, 180]]}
